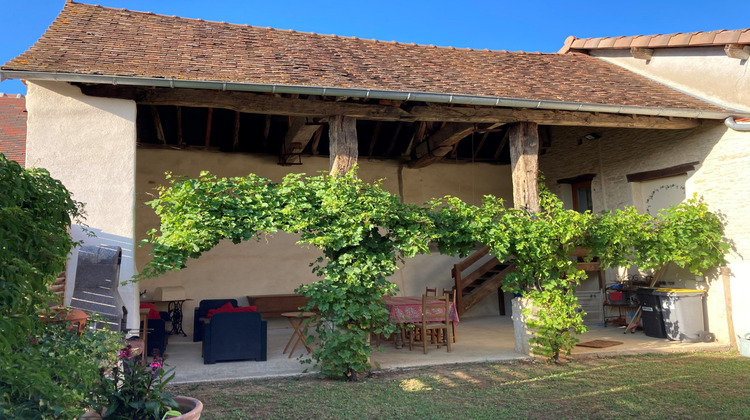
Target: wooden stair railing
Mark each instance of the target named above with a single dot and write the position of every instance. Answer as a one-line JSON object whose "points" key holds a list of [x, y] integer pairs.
{"points": [[474, 286], [485, 279]]}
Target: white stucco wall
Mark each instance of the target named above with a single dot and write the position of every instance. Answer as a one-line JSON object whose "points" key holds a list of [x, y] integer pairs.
{"points": [[277, 264], [719, 178], [706, 72], [89, 144]]}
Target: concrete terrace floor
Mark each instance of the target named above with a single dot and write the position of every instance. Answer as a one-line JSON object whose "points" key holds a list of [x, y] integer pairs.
{"points": [[480, 339]]}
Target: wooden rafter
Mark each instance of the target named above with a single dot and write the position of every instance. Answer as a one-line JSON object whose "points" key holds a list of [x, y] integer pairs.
{"points": [[394, 139], [316, 140], [299, 135], [503, 142], [440, 143], [374, 140], [157, 125]]}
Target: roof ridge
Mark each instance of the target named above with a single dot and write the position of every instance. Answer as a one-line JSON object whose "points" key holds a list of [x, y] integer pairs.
{"points": [[294, 31], [672, 40]]}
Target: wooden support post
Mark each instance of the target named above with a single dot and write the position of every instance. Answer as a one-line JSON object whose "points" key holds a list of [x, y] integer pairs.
{"points": [[343, 145], [524, 161], [209, 117], [236, 138], [726, 273], [267, 127], [180, 139]]}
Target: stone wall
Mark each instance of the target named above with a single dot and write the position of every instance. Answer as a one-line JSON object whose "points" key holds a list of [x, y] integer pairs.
{"points": [[718, 177]]}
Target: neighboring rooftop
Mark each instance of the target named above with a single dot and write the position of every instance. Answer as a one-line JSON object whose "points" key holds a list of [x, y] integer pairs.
{"points": [[97, 41], [678, 40], [13, 127]]}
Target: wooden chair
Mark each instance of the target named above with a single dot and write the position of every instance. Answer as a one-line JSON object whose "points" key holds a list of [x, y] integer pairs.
{"points": [[434, 326], [452, 296], [430, 291]]}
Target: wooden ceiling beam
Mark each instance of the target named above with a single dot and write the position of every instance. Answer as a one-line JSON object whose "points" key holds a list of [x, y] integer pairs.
{"points": [[248, 102], [275, 105], [547, 117]]}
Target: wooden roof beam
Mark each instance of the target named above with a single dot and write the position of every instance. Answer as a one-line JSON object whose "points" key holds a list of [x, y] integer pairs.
{"points": [[440, 143], [274, 105]]}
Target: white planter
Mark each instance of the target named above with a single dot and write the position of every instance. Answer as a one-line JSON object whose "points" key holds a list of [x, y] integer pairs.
{"points": [[521, 332]]}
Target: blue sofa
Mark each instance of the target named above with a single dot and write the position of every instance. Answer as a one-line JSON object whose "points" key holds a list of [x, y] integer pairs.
{"points": [[235, 336], [200, 314]]}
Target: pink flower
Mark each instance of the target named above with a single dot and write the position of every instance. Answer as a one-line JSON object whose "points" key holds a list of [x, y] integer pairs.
{"points": [[125, 353], [155, 365]]}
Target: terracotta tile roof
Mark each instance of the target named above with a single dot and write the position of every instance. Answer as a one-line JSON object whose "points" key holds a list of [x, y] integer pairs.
{"points": [[13, 127], [88, 39], [691, 39]]}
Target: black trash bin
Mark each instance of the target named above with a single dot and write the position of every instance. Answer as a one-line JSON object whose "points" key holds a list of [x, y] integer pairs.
{"points": [[651, 314], [682, 314]]}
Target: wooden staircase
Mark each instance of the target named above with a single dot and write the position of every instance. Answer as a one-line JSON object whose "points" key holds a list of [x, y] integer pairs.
{"points": [[476, 285]]}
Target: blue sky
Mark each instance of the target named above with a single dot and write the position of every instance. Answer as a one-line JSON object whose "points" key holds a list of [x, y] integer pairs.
{"points": [[530, 25]]}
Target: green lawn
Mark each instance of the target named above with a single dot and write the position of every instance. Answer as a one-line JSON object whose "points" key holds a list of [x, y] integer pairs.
{"points": [[684, 386]]}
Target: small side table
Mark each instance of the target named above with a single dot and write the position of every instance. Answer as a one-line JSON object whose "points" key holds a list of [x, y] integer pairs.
{"points": [[296, 319]]}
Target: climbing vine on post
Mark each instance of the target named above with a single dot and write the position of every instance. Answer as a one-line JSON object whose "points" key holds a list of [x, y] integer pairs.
{"points": [[363, 231]]}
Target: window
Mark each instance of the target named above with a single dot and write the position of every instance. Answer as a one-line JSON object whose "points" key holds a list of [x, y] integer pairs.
{"points": [[576, 193], [582, 196]]}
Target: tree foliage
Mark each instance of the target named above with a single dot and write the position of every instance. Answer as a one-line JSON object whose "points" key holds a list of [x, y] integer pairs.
{"points": [[364, 231], [46, 371]]}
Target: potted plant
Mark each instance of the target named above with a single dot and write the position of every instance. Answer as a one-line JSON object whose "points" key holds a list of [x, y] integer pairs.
{"points": [[133, 389]]}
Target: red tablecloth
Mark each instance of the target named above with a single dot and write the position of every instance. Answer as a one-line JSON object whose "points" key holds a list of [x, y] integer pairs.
{"points": [[408, 309]]}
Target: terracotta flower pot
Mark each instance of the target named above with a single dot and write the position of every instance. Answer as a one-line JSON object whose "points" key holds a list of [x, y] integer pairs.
{"points": [[191, 408]]}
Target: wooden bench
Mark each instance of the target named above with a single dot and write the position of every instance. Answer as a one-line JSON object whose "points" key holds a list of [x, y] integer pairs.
{"points": [[272, 306]]}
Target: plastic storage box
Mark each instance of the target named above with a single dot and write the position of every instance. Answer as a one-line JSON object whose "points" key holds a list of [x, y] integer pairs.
{"points": [[682, 312], [651, 315]]}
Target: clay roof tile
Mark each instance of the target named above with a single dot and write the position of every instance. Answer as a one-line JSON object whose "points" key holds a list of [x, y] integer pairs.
{"points": [[97, 40]]}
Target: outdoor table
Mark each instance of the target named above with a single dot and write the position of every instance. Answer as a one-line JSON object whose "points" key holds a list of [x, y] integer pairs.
{"points": [[296, 319], [408, 310]]}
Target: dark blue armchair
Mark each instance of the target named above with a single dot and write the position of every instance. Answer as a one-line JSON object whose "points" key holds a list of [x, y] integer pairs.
{"points": [[200, 314], [157, 334], [235, 336]]}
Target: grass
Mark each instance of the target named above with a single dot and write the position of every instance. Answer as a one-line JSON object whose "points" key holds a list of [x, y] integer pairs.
{"points": [[668, 386]]}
